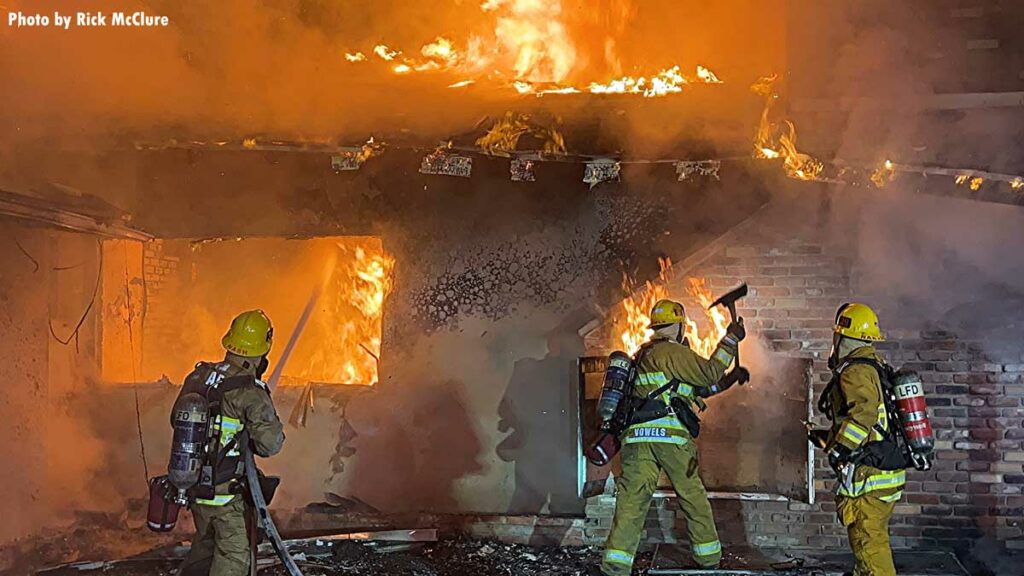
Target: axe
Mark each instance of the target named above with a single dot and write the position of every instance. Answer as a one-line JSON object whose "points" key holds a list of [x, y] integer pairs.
{"points": [[739, 373]]}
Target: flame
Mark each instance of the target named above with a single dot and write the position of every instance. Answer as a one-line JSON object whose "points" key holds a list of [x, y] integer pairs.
{"points": [[503, 136], [961, 179], [530, 49], [636, 307], [348, 325], [1017, 183], [884, 174], [707, 76], [797, 164], [636, 318], [717, 321], [976, 183]]}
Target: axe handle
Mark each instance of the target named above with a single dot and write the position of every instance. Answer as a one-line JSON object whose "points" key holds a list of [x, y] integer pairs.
{"points": [[735, 318]]}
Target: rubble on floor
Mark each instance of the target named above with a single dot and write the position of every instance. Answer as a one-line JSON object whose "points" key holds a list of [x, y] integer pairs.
{"points": [[380, 558]]}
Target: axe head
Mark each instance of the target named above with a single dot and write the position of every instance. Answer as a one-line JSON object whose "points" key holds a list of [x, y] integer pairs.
{"points": [[729, 298]]}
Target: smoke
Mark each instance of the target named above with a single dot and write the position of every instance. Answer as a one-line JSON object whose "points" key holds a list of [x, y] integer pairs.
{"points": [[249, 67], [916, 256]]}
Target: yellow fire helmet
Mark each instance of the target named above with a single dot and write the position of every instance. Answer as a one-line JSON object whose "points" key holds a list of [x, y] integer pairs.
{"points": [[667, 312], [250, 334], [858, 321]]}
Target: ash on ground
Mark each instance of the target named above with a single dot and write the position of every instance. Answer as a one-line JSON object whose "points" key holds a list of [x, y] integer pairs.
{"points": [[444, 558]]}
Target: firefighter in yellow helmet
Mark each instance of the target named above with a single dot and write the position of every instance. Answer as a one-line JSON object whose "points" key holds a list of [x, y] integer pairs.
{"points": [[239, 401], [865, 493], [669, 373]]}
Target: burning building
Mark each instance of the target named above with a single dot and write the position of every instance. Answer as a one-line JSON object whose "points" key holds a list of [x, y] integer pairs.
{"points": [[453, 212]]}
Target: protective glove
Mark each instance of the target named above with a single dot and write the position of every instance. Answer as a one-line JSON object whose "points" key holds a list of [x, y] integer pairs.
{"points": [[736, 332], [818, 437], [838, 457]]}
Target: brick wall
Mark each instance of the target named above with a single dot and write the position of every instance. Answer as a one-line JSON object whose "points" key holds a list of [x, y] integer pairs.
{"points": [[160, 267], [974, 390]]}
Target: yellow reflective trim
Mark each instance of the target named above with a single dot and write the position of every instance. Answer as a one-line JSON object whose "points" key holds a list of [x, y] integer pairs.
{"points": [[656, 379], [853, 432], [670, 421], [880, 481], [724, 356], [707, 549], [618, 557], [218, 500], [892, 497]]}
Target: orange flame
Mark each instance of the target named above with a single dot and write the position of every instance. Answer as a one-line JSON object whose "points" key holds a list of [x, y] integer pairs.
{"points": [[884, 174], [349, 323], [636, 320], [529, 48], [766, 145]]}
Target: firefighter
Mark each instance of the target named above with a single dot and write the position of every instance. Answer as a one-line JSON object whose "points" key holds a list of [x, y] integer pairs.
{"points": [[221, 546], [853, 401], [667, 443]]}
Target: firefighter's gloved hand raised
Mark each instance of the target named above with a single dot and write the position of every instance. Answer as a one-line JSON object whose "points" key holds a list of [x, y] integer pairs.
{"points": [[818, 437], [736, 332]]}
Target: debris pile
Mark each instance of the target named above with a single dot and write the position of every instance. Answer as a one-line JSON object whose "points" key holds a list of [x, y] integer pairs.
{"points": [[386, 558]]}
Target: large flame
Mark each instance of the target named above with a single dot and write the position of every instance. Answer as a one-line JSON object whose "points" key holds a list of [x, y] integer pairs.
{"points": [[531, 49], [635, 320], [349, 342]]}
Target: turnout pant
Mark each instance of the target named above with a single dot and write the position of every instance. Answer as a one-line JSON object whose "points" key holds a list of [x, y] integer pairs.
{"points": [[642, 463], [221, 543], [866, 518]]}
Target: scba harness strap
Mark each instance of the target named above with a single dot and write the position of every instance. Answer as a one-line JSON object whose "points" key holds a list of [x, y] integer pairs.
{"points": [[223, 462], [651, 407], [889, 451]]}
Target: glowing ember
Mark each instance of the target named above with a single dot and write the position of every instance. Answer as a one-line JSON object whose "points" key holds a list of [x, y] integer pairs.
{"points": [[884, 174], [976, 183], [961, 179], [637, 307]]}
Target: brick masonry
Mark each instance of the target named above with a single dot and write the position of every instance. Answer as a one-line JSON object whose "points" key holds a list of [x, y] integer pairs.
{"points": [[160, 267], [974, 391]]}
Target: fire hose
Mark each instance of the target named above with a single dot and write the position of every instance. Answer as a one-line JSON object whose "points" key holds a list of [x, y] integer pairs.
{"points": [[260, 504]]}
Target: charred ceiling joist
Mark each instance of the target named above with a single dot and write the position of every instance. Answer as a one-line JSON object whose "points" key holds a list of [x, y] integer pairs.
{"points": [[107, 222]]}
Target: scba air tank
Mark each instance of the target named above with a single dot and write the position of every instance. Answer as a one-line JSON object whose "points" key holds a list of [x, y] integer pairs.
{"points": [[616, 384], [913, 410], [188, 446]]}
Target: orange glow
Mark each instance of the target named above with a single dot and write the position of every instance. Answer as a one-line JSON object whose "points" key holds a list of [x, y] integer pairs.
{"points": [[530, 50], [717, 321], [163, 326], [770, 142], [635, 316], [884, 174], [349, 343]]}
